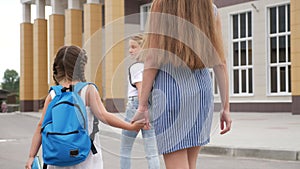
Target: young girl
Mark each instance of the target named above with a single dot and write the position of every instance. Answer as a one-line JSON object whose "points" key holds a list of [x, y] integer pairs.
{"points": [[68, 69], [135, 76]]}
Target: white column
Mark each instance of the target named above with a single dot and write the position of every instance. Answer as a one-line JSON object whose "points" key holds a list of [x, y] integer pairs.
{"points": [[40, 9], [93, 1], [74, 4], [26, 13], [57, 7]]}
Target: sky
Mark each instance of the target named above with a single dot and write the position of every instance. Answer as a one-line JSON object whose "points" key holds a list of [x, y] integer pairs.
{"points": [[11, 17]]}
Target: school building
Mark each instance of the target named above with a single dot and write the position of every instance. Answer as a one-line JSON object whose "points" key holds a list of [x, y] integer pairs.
{"points": [[260, 39]]}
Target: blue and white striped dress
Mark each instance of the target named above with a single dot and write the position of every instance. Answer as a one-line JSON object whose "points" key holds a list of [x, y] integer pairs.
{"points": [[181, 108]]}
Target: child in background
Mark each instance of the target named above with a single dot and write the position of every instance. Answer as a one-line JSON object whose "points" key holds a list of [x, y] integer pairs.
{"points": [[135, 76]]}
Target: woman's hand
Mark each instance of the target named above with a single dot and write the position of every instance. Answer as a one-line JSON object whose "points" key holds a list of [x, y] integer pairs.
{"points": [[225, 121], [142, 113], [29, 163]]}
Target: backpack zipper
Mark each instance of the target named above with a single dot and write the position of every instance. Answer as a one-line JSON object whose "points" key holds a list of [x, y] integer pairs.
{"points": [[56, 133]]}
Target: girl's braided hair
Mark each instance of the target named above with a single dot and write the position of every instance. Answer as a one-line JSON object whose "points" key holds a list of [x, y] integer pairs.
{"points": [[69, 64]]}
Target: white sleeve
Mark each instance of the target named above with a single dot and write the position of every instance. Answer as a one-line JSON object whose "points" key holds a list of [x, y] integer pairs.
{"points": [[137, 73], [83, 92], [52, 94]]}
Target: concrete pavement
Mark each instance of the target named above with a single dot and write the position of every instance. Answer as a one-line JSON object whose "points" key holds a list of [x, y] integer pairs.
{"points": [[257, 135]]}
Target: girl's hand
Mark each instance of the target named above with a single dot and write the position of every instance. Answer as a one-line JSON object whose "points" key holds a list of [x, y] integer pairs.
{"points": [[137, 125], [225, 121], [29, 163]]}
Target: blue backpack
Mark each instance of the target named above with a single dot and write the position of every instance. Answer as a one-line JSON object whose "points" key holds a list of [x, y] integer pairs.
{"points": [[65, 138]]}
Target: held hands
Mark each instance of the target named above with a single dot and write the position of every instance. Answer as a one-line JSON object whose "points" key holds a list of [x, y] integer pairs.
{"points": [[142, 114], [225, 121], [137, 125]]}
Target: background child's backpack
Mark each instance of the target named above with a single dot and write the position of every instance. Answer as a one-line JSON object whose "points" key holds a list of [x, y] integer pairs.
{"points": [[65, 138]]}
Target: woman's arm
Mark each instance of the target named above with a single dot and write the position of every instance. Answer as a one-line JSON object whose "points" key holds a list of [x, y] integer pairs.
{"points": [[222, 80], [37, 137], [221, 74], [97, 107], [149, 74], [138, 86], [151, 67]]}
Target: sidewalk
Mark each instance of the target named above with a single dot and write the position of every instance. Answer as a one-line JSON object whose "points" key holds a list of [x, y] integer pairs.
{"points": [[257, 135]]}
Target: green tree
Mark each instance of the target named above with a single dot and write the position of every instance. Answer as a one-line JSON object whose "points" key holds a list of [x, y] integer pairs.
{"points": [[11, 81]]}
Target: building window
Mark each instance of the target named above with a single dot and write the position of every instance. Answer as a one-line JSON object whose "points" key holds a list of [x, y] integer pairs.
{"points": [[144, 9], [214, 82], [242, 66], [279, 51]]}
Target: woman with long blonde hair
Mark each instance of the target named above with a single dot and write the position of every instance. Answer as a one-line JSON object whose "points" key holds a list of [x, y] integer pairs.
{"points": [[184, 40]]}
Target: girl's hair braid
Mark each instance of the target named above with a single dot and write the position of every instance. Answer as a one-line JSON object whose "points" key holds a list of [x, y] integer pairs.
{"points": [[69, 64], [82, 61]]}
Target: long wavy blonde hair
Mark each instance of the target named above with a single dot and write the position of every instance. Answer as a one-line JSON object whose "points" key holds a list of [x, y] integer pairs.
{"points": [[186, 29]]}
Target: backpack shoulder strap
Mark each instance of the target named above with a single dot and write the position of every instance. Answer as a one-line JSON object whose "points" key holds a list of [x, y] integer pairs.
{"points": [[56, 89], [80, 86], [53, 91], [95, 121]]}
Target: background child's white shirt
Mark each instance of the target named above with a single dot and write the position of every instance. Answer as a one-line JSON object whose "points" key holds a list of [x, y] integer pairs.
{"points": [[136, 71]]}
